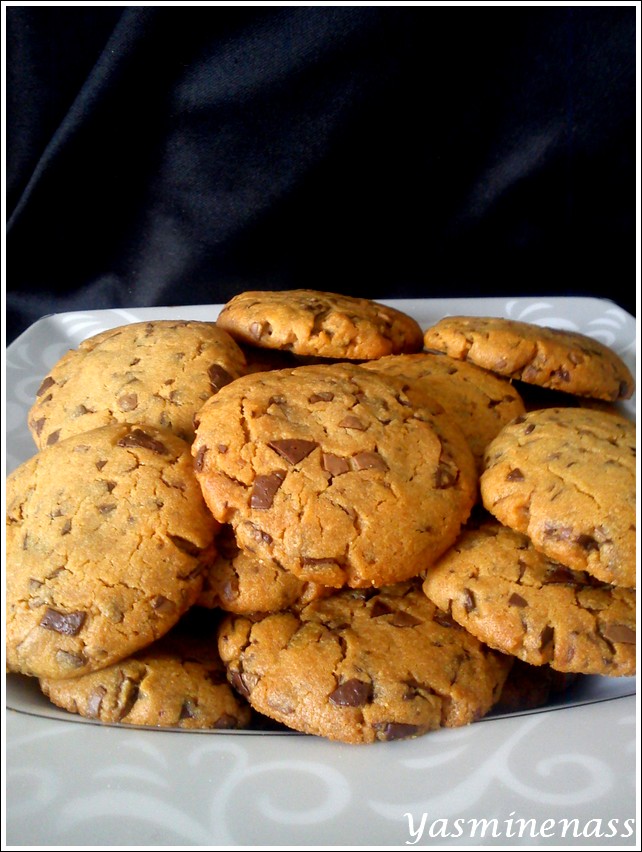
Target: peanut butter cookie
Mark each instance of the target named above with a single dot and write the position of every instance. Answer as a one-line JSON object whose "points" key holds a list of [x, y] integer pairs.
{"points": [[158, 373], [329, 325], [361, 666], [331, 471], [178, 681], [106, 533], [563, 360], [566, 478], [495, 584]]}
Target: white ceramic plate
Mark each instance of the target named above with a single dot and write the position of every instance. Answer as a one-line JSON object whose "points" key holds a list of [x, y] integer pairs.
{"points": [[562, 775]]}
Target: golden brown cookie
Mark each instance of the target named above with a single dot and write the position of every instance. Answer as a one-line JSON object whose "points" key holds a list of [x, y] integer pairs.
{"points": [[361, 666], [333, 473], [237, 581], [105, 536], [495, 584], [329, 325], [158, 373], [178, 681], [479, 401], [563, 360], [566, 478]]}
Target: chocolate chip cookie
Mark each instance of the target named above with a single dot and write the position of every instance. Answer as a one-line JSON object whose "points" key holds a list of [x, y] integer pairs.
{"points": [[158, 373], [178, 681], [566, 478], [361, 666], [512, 597], [331, 471], [106, 533], [329, 325], [479, 401], [563, 360]]}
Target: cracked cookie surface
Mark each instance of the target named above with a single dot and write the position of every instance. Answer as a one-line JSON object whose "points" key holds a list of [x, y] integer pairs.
{"points": [[566, 478], [157, 372], [479, 401], [361, 666], [332, 472], [549, 357], [329, 325], [178, 681], [495, 584], [106, 535]]}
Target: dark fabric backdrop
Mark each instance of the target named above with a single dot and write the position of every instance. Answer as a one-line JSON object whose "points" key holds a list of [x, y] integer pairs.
{"points": [[163, 156]]}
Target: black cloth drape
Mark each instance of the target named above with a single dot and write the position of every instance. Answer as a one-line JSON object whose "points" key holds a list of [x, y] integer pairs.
{"points": [[179, 155]]}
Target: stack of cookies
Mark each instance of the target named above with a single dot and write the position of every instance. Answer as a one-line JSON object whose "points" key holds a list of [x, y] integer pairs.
{"points": [[311, 512]]}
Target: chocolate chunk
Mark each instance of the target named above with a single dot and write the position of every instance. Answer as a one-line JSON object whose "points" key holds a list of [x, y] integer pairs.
{"points": [[128, 402], [138, 438], [396, 730], [47, 383], [324, 396], [619, 633], [129, 692], [445, 477], [265, 487], [53, 438], [369, 461], [184, 545], [444, 619], [219, 377], [515, 475], [404, 619], [106, 508], [188, 709], [517, 600], [468, 600], [199, 458], [351, 693], [379, 607], [101, 464], [352, 422], [94, 702], [546, 636], [243, 683], [624, 390], [38, 425], [335, 465], [67, 623], [293, 450], [162, 604], [68, 660], [587, 543]]}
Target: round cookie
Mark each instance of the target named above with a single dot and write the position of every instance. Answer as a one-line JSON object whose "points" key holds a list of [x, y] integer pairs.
{"points": [[361, 666], [178, 681], [329, 325], [563, 360], [479, 401], [495, 584], [236, 581], [106, 534], [333, 473], [158, 373], [566, 478]]}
